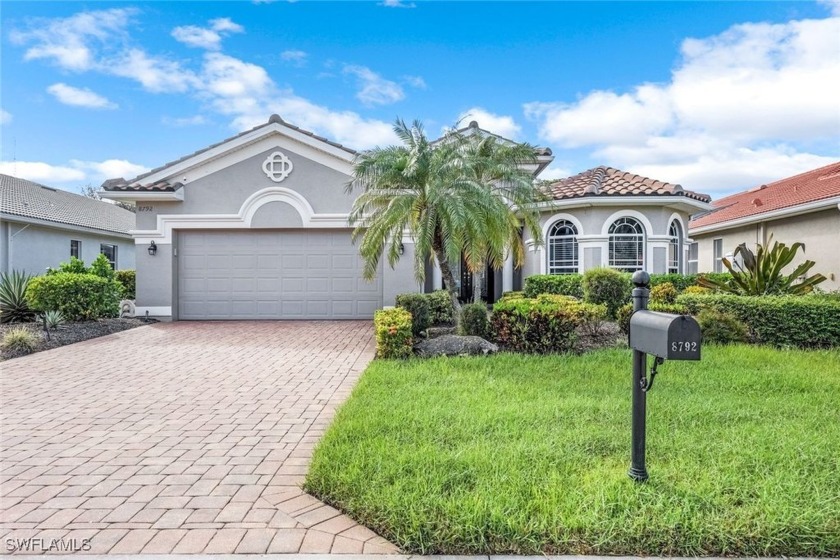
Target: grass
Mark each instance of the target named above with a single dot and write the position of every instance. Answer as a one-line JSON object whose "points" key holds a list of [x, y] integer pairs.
{"points": [[526, 454]]}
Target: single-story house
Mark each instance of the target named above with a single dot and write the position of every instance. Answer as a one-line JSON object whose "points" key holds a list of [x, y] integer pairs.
{"points": [[255, 227], [803, 208], [42, 227]]}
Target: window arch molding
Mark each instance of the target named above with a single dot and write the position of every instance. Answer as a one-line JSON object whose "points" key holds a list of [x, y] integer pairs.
{"points": [[627, 244], [605, 229], [676, 245], [547, 225]]}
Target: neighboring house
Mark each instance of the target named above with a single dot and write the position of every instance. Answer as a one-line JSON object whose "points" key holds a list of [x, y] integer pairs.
{"points": [[803, 208], [255, 227], [42, 227]]}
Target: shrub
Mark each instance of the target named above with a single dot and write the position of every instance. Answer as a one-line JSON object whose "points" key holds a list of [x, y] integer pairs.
{"points": [[512, 295], [563, 284], [542, 325], [592, 318], [102, 267], [128, 279], [663, 293], [721, 327], [697, 290], [74, 265], [623, 317], [19, 340], [606, 286], [801, 321], [679, 281], [474, 320], [393, 333], [13, 305], [76, 296], [441, 311], [418, 306]]}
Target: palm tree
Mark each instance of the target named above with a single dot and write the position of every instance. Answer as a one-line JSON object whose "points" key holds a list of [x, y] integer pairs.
{"points": [[464, 195]]}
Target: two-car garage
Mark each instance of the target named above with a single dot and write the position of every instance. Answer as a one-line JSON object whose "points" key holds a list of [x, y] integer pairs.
{"points": [[273, 274]]}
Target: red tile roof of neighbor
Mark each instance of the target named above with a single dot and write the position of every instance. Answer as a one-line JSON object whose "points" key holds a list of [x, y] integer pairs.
{"points": [[609, 181], [811, 186]]}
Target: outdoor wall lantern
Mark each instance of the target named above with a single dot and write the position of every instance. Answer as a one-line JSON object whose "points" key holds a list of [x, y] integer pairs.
{"points": [[665, 336], [401, 249], [152, 249]]}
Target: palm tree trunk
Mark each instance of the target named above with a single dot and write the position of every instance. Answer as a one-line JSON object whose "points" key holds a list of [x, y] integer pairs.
{"points": [[448, 277]]}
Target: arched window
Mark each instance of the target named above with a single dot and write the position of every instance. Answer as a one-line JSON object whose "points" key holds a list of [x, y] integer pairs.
{"points": [[675, 244], [562, 248], [627, 245]]}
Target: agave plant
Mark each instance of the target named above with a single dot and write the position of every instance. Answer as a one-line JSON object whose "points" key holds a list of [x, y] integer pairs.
{"points": [[13, 306], [52, 319], [761, 273]]}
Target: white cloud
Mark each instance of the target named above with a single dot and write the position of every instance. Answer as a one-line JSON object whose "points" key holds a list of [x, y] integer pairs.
{"points": [[75, 172], [5, 117], [80, 97], [206, 37], [195, 120], [415, 81], [556, 171], [397, 4], [155, 74], [373, 88], [296, 57], [503, 125], [71, 42], [732, 115], [832, 5]]}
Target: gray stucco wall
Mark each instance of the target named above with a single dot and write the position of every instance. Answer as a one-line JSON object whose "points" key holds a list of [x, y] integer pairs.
{"points": [[819, 231], [400, 279], [36, 247]]}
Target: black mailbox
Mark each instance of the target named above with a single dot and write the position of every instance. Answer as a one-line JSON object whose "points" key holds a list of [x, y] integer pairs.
{"points": [[665, 335]]}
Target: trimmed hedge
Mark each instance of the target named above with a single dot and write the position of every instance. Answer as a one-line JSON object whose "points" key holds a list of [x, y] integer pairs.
{"points": [[77, 296], [474, 320], [418, 306], [683, 281], [441, 311], [393, 333], [800, 321], [721, 327], [562, 284], [607, 286], [128, 279], [663, 293], [542, 325], [626, 310]]}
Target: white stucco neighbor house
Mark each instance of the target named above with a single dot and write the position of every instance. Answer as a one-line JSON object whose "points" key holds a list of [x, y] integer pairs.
{"points": [[42, 227], [255, 227]]}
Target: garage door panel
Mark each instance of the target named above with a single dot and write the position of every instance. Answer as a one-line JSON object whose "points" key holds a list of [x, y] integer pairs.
{"points": [[289, 274]]}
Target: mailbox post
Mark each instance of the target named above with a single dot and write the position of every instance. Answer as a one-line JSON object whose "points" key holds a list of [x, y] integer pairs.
{"points": [[638, 472], [665, 336]]}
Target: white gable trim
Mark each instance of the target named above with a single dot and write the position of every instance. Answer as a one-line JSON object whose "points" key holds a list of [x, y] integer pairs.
{"points": [[166, 223], [248, 145]]}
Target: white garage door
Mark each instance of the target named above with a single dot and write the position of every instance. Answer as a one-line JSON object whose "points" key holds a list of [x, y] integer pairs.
{"points": [[262, 274]]}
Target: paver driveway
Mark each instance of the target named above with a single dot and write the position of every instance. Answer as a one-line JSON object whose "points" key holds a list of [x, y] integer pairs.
{"points": [[179, 437]]}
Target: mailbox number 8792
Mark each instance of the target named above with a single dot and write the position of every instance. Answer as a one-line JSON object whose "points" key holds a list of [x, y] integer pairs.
{"points": [[684, 346]]}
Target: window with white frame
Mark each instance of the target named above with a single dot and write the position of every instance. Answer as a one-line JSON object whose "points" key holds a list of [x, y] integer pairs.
{"points": [[717, 265], [693, 251], [75, 248], [675, 248], [110, 252], [562, 247], [627, 245]]}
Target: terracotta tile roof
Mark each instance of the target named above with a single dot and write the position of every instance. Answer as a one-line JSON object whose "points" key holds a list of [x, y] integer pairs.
{"points": [[609, 181], [811, 186], [121, 184], [32, 200]]}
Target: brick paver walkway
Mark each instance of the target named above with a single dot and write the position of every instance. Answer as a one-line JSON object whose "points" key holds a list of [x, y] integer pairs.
{"points": [[180, 437]]}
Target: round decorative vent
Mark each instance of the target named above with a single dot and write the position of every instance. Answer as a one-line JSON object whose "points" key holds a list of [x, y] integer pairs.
{"points": [[277, 166]]}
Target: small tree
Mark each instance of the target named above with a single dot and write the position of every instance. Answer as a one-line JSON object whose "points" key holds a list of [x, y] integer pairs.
{"points": [[761, 272]]}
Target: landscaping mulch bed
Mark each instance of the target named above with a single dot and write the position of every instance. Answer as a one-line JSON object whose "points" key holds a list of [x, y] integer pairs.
{"points": [[69, 333]]}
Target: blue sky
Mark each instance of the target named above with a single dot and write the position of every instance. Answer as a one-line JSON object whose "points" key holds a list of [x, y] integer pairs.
{"points": [[716, 96]]}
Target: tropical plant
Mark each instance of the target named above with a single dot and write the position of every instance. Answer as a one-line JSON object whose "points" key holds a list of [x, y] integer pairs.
{"points": [[464, 195], [101, 267], [13, 305], [52, 319], [761, 273]]}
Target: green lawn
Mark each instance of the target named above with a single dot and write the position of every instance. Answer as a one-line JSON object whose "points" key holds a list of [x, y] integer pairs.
{"points": [[530, 454]]}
